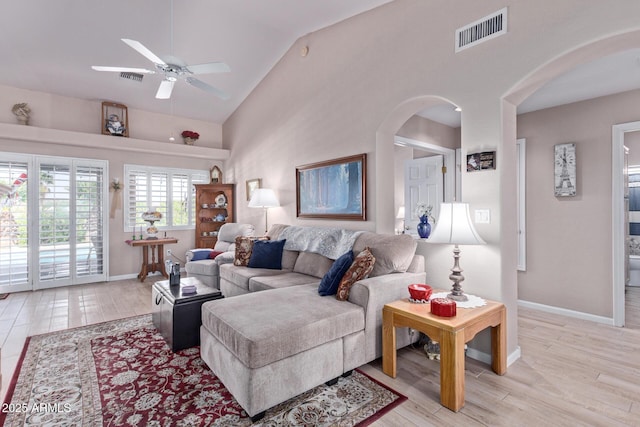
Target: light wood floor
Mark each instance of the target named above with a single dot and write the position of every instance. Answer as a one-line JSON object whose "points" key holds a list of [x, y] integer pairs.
{"points": [[572, 372]]}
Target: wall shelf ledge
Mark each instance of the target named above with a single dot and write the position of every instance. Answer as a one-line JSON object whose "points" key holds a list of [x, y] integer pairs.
{"points": [[98, 141]]}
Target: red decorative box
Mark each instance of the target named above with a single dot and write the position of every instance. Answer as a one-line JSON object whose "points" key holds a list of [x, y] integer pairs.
{"points": [[443, 307]]}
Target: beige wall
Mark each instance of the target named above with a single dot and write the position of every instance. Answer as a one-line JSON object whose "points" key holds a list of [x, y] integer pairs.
{"points": [[84, 116], [365, 77], [64, 113], [569, 238]]}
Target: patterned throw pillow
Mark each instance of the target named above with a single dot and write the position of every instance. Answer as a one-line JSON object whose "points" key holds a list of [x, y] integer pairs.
{"points": [[244, 246], [360, 269]]}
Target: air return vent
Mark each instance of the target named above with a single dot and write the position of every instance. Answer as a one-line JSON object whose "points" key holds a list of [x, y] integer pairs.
{"points": [[131, 76], [481, 30]]}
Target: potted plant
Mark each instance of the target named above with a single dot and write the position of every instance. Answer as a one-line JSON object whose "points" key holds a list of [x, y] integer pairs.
{"points": [[190, 136]]}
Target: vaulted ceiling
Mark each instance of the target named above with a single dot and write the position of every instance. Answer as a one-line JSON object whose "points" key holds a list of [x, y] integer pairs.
{"points": [[50, 46]]}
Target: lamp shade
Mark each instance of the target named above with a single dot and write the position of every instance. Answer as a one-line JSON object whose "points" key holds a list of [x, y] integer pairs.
{"points": [[400, 214], [263, 198], [454, 226]]}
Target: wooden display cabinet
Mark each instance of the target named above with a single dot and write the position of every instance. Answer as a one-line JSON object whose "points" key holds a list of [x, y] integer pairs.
{"points": [[213, 202]]}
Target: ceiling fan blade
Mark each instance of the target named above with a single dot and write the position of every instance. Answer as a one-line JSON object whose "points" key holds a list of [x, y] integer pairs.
{"points": [[207, 87], [142, 50], [211, 67], [165, 89], [122, 69]]}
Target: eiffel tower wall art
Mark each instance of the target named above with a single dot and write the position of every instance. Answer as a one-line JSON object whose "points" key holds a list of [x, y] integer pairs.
{"points": [[565, 170]]}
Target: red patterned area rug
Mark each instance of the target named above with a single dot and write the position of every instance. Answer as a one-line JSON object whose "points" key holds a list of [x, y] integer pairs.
{"points": [[122, 373]]}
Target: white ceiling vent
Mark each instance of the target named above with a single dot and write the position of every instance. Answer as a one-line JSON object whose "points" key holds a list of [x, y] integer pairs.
{"points": [[136, 77], [482, 30]]}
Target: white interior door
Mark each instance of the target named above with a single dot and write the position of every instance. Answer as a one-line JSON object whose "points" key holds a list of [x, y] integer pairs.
{"points": [[423, 183]]}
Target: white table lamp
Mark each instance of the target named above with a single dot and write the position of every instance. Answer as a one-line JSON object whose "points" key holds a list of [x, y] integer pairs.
{"points": [[264, 198], [454, 226]]}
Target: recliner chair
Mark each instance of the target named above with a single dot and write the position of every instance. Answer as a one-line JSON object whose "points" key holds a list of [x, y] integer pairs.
{"points": [[206, 269]]}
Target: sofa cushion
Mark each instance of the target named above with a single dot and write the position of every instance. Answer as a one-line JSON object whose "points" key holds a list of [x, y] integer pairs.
{"points": [[360, 269], [205, 267], [267, 254], [331, 280], [393, 253], [289, 259], [312, 264], [284, 280], [214, 254], [240, 276], [263, 327], [275, 230]]}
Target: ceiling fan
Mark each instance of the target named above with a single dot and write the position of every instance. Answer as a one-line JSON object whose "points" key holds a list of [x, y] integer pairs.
{"points": [[173, 69]]}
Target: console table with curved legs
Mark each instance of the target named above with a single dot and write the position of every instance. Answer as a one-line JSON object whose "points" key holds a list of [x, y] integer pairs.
{"points": [[157, 255]]}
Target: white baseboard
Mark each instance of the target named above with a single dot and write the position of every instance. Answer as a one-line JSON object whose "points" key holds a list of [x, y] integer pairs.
{"points": [[486, 358], [135, 275], [566, 312], [123, 277]]}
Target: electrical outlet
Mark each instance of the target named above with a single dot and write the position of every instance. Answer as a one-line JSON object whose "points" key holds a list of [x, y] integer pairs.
{"points": [[168, 252]]}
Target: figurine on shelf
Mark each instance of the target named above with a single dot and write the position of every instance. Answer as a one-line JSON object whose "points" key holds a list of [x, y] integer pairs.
{"points": [[115, 126], [22, 112]]}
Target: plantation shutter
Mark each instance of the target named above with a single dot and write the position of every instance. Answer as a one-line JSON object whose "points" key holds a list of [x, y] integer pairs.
{"points": [[169, 191]]}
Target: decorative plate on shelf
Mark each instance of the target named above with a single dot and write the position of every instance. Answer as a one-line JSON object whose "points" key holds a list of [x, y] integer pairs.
{"points": [[221, 200]]}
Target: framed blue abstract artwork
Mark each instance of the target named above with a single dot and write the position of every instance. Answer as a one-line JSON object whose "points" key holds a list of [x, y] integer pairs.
{"points": [[334, 189]]}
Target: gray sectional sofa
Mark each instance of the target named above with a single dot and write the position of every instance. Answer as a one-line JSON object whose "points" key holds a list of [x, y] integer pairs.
{"points": [[273, 336]]}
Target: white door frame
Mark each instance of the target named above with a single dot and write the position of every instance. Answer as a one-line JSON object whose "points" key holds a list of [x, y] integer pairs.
{"points": [[618, 232], [449, 162]]}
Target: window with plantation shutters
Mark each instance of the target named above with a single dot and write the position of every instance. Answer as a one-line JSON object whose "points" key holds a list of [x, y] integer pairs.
{"points": [[168, 191]]}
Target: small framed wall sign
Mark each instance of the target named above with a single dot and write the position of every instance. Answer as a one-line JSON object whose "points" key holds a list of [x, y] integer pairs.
{"points": [[565, 170], [115, 119], [481, 161]]}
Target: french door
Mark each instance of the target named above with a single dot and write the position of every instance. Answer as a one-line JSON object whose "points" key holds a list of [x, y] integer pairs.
{"points": [[52, 223]]}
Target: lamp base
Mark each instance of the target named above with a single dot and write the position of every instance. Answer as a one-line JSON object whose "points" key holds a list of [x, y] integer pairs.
{"points": [[457, 294], [460, 297]]}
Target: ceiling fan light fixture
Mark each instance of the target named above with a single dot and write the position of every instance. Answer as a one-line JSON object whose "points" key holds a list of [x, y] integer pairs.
{"points": [[172, 71]]}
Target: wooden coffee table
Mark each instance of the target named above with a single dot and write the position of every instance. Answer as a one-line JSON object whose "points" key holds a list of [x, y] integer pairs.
{"points": [[452, 333]]}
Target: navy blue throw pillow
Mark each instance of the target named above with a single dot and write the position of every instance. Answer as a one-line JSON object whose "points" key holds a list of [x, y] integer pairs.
{"points": [[267, 254], [331, 280], [199, 254]]}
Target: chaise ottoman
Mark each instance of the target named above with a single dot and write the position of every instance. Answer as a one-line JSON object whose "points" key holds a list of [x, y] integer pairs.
{"points": [[267, 347]]}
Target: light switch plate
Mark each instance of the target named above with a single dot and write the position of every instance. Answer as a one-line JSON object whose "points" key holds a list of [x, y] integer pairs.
{"points": [[483, 216]]}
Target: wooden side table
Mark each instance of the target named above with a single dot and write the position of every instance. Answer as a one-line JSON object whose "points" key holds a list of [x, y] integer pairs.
{"points": [[157, 255], [452, 333]]}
